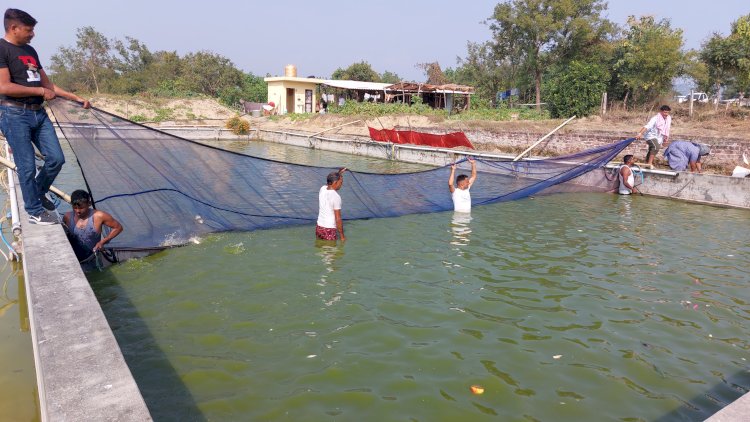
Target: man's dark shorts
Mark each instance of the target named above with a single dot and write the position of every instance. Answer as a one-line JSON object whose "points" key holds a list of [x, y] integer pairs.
{"points": [[653, 146]]}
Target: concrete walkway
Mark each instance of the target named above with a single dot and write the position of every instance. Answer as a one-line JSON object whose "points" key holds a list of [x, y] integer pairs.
{"points": [[737, 411], [81, 373]]}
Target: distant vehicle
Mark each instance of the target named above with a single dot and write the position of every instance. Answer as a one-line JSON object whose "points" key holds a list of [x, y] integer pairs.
{"points": [[737, 101], [698, 97]]}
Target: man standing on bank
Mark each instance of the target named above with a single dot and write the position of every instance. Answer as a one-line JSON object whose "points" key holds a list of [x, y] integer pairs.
{"points": [[329, 211], [24, 86]]}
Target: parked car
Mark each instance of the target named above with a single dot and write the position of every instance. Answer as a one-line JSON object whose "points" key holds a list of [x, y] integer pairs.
{"points": [[737, 101], [699, 97]]}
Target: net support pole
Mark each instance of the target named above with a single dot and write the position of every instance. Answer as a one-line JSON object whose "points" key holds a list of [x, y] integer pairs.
{"points": [[543, 138], [335, 127], [53, 189]]}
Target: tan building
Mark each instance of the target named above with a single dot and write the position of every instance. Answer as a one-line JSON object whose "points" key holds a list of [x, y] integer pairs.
{"points": [[291, 94]]}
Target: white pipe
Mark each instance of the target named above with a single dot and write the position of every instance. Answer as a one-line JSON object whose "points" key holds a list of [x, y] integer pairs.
{"points": [[14, 219]]}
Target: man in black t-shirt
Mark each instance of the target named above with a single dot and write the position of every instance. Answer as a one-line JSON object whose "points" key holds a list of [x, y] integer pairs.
{"points": [[24, 86]]}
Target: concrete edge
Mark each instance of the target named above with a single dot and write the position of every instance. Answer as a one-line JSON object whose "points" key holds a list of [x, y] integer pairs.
{"points": [[737, 411], [81, 372], [706, 189]]}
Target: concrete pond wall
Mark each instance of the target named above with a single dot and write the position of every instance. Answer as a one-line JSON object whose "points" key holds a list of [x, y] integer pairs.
{"points": [[80, 370], [726, 153]]}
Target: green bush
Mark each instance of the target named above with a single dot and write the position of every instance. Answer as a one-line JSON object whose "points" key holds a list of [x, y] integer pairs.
{"points": [[500, 114], [163, 114], [138, 118], [369, 109], [577, 91]]}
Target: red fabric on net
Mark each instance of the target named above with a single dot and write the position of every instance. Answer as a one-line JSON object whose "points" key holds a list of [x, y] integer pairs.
{"points": [[449, 140]]}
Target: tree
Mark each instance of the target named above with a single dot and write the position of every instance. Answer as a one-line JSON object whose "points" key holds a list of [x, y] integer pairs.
{"points": [[433, 72], [390, 77], [719, 57], [134, 57], [131, 64], [577, 90], [696, 69], [165, 69], [253, 89], [545, 32], [740, 38], [91, 60], [209, 73], [648, 58], [361, 71], [483, 69]]}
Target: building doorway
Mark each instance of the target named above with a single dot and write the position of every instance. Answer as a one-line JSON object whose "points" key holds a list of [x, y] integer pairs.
{"points": [[290, 100]]}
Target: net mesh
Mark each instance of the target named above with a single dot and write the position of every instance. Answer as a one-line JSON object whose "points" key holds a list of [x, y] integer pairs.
{"points": [[166, 190]]}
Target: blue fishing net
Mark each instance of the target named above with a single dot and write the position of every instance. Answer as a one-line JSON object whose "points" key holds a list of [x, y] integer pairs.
{"points": [[166, 190]]}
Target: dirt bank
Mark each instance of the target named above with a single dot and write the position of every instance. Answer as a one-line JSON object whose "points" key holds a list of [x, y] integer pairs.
{"points": [[725, 125]]}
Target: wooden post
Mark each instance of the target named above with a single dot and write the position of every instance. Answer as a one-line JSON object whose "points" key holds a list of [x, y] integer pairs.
{"points": [[690, 112], [604, 103], [56, 191], [543, 138]]}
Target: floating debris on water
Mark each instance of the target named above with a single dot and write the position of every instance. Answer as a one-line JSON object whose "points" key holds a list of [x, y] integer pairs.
{"points": [[477, 389]]}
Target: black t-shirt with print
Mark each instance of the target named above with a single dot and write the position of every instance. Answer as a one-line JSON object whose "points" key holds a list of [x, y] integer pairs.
{"points": [[23, 64]]}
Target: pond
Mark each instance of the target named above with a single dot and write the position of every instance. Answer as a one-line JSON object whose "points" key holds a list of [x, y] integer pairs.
{"points": [[565, 307]]}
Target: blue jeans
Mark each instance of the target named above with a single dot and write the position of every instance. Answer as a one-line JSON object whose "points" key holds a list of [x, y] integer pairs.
{"points": [[23, 129]]}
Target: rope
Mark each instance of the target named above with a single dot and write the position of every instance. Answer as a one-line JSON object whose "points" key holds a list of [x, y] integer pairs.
{"points": [[11, 251]]}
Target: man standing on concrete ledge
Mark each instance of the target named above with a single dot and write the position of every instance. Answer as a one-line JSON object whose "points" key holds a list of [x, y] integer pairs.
{"points": [[656, 134], [24, 86]]}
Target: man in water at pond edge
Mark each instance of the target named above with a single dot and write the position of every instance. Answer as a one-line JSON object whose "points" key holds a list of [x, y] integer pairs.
{"points": [[329, 211], [84, 226], [656, 133], [460, 192], [24, 86], [626, 177]]}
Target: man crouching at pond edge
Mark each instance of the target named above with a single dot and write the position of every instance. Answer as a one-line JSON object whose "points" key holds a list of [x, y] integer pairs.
{"points": [[329, 211], [84, 226]]}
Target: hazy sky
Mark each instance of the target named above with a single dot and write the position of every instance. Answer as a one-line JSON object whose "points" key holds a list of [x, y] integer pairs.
{"points": [[320, 36]]}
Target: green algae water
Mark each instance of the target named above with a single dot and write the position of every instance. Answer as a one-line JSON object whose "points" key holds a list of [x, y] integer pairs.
{"points": [[563, 308], [18, 390]]}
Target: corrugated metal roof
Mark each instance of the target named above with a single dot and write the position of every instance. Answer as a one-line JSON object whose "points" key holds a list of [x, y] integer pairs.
{"points": [[363, 86], [420, 87]]}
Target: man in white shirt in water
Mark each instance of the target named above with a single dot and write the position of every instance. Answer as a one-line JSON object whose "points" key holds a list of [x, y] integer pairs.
{"points": [[625, 176], [329, 211], [460, 191]]}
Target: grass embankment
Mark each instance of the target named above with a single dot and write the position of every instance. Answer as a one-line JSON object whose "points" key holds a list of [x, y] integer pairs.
{"points": [[732, 122]]}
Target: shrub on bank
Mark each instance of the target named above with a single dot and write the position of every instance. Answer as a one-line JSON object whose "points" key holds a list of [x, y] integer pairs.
{"points": [[238, 125]]}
